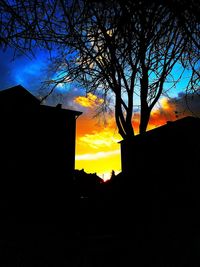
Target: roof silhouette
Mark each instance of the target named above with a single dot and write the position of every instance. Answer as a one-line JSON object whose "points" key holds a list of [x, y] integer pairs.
{"points": [[18, 99], [175, 142], [36, 139]]}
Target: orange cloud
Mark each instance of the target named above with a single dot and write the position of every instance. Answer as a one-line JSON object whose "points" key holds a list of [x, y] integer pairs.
{"points": [[165, 111], [89, 101]]}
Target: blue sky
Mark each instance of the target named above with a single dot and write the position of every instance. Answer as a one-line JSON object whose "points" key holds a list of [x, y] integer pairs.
{"points": [[28, 72], [31, 72]]}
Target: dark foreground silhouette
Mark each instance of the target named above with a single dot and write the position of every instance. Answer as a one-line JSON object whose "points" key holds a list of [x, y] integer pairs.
{"points": [[121, 222], [148, 215]]}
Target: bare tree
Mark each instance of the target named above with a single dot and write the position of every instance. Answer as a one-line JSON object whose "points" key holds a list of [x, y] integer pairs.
{"points": [[121, 50], [187, 15]]}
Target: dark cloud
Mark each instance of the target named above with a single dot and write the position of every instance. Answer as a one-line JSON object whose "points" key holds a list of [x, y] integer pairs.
{"points": [[186, 104], [171, 109]]}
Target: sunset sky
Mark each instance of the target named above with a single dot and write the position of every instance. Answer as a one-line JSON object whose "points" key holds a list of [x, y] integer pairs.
{"points": [[97, 147]]}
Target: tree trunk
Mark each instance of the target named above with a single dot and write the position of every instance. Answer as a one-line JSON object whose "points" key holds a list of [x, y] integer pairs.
{"points": [[124, 120], [144, 119], [145, 110]]}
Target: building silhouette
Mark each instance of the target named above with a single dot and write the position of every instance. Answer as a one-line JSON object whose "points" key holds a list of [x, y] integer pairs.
{"points": [[173, 146], [37, 141]]}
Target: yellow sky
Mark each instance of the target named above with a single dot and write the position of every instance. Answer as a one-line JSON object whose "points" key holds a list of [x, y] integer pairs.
{"points": [[97, 147]]}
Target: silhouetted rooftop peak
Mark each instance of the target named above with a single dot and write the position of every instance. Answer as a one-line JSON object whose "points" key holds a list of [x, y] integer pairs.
{"points": [[17, 98]]}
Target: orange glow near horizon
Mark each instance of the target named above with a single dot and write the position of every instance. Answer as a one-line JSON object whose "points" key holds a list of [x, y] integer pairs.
{"points": [[97, 147]]}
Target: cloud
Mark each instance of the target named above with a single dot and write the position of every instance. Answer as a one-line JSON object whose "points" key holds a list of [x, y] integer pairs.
{"points": [[64, 94], [163, 112], [71, 97], [98, 155], [97, 146], [186, 104], [89, 101], [170, 109], [32, 73], [104, 138]]}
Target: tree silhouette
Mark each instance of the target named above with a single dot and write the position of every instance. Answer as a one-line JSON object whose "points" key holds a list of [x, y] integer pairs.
{"points": [[187, 15], [121, 50]]}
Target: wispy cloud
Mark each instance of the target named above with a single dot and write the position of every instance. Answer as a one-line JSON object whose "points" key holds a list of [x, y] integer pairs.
{"points": [[104, 138], [98, 155]]}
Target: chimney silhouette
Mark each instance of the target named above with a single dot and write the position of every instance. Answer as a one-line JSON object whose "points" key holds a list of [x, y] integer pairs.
{"points": [[59, 106]]}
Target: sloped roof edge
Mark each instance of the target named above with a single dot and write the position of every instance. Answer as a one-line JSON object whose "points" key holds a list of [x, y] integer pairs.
{"points": [[167, 125], [22, 89]]}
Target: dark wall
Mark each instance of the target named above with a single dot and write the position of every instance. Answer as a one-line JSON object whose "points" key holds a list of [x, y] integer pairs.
{"points": [[172, 146], [37, 150], [38, 145]]}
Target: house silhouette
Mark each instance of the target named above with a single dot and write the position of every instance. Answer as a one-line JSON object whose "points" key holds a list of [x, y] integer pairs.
{"points": [[173, 146], [37, 141]]}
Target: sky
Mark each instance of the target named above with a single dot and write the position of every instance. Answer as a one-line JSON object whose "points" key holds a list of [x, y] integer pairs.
{"points": [[97, 147]]}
